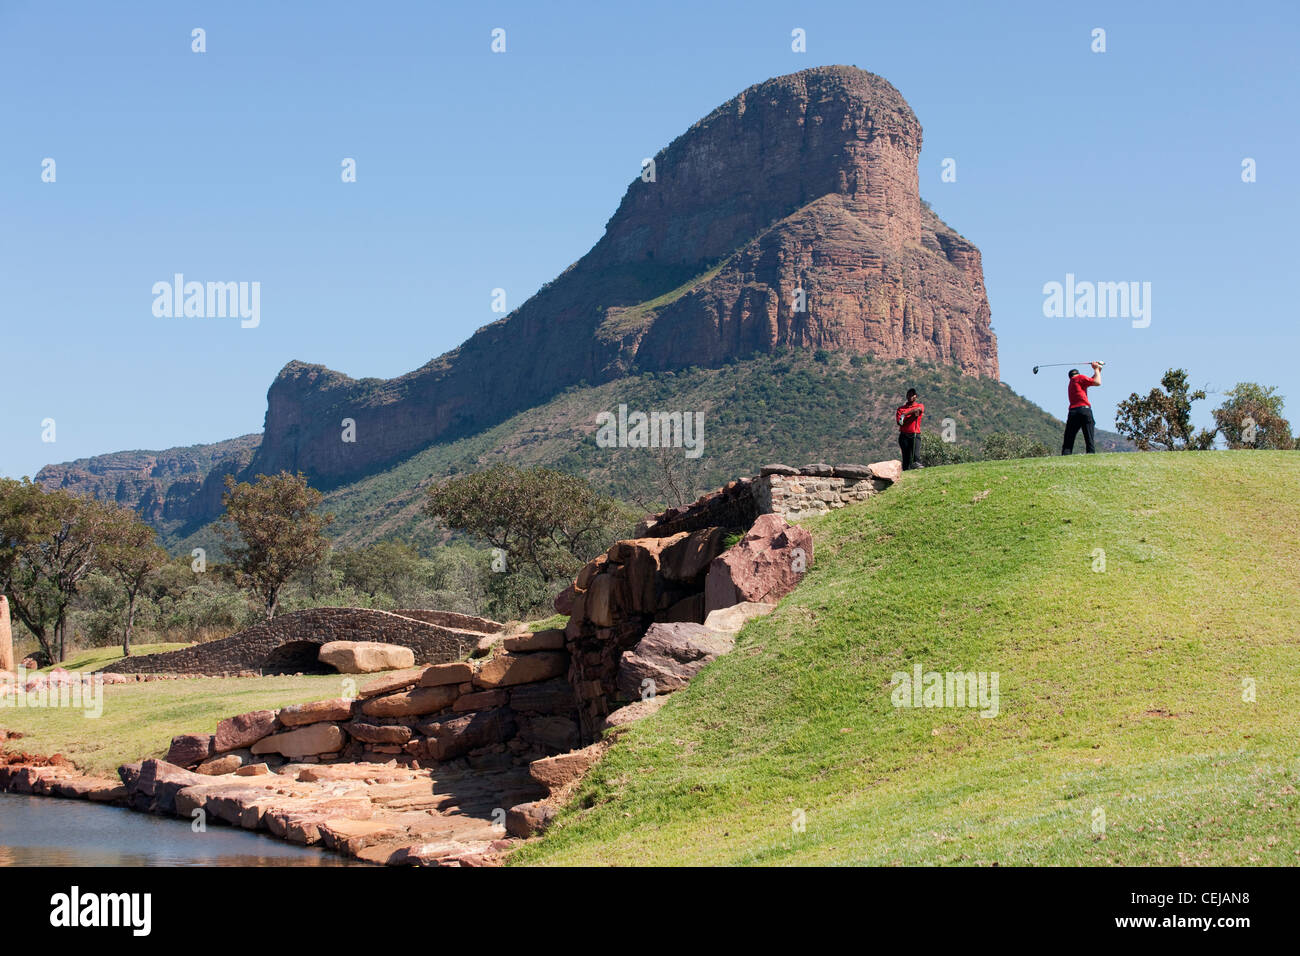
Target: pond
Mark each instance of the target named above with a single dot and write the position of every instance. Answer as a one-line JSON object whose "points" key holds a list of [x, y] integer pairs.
{"points": [[41, 831]]}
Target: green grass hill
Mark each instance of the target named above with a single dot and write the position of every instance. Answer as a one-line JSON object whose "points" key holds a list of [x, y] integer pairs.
{"points": [[1123, 693]]}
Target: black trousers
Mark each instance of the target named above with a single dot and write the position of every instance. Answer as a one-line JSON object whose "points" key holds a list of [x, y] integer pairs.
{"points": [[910, 445], [1079, 419]]}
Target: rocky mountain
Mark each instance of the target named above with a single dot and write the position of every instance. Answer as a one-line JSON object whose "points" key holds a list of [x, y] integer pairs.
{"points": [[789, 217], [169, 488]]}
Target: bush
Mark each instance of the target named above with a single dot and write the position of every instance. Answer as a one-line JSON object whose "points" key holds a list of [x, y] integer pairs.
{"points": [[1001, 446], [935, 451]]}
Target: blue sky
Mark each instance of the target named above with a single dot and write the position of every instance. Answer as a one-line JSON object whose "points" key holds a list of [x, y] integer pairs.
{"points": [[478, 170]]}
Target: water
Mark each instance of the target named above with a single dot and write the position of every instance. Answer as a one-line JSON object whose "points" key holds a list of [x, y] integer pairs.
{"points": [[40, 831]]}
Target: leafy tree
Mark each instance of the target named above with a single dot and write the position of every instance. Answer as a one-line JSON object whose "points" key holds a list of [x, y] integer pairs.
{"points": [[48, 544], [1162, 421], [130, 555], [541, 519], [273, 532], [383, 568], [1003, 445], [1251, 417]]}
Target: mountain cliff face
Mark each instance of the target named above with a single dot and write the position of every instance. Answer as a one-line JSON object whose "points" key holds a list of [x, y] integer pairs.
{"points": [[790, 216], [806, 182]]}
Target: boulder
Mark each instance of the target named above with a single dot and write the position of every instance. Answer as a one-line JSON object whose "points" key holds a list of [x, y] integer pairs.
{"points": [[544, 697], [598, 602], [817, 470], [457, 672], [669, 655], [732, 619], [304, 742], [217, 766], [506, 669], [551, 639], [300, 715], [157, 784], [188, 750], [635, 711], [365, 657], [482, 700], [451, 737], [589, 571], [551, 733], [853, 471], [379, 733], [243, 730], [563, 603], [556, 773], [761, 567], [528, 819], [411, 703], [778, 470], [689, 555], [887, 470], [401, 680]]}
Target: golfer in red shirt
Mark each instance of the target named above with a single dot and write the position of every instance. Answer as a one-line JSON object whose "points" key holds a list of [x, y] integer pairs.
{"points": [[908, 417], [1080, 414]]}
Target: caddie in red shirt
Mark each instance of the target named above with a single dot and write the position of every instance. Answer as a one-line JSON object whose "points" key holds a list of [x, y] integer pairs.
{"points": [[908, 417], [1079, 416]]}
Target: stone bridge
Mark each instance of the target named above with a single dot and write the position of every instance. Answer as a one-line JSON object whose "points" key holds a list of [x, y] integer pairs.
{"points": [[290, 643]]}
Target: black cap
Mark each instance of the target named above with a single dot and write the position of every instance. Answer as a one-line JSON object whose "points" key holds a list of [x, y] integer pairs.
{"points": [[1073, 372], [911, 393]]}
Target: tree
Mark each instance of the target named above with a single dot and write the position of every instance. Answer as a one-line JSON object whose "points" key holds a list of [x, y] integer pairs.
{"points": [[1163, 420], [935, 451], [273, 532], [130, 555], [49, 542], [1251, 417], [541, 519]]}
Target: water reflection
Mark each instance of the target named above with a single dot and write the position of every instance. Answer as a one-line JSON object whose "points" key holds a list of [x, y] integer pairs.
{"points": [[40, 831]]}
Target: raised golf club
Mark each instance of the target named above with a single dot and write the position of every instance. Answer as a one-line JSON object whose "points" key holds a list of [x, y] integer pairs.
{"points": [[1062, 365]]}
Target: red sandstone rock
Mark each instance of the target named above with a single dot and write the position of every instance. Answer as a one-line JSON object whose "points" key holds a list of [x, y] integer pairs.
{"points": [[299, 715], [888, 470], [391, 682], [633, 712], [555, 773], [481, 700], [507, 669], [379, 733], [188, 750], [669, 656], [412, 703], [456, 672], [304, 741], [551, 639], [243, 730], [365, 657], [528, 819], [762, 567]]}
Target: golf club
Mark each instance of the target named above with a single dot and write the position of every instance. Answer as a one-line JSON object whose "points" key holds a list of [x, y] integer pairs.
{"points": [[1063, 364]]}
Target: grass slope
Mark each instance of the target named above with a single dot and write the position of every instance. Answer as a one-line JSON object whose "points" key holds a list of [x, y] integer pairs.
{"points": [[1120, 691], [789, 408]]}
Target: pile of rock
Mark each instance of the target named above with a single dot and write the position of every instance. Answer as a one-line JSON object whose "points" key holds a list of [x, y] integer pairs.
{"points": [[799, 493], [504, 710]]}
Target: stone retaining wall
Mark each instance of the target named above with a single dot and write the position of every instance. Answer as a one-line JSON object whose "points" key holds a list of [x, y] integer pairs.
{"points": [[290, 643]]}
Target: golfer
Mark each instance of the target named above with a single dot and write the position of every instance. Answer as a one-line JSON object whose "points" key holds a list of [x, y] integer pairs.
{"points": [[908, 417], [1080, 414]]}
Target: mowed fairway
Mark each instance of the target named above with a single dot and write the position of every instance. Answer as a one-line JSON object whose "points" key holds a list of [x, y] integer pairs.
{"points": [[1121, 691]]}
